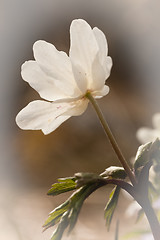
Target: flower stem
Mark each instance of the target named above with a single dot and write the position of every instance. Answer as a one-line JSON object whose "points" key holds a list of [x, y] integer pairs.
{"points": [[112, 139], [143, 201], [152, 218]]}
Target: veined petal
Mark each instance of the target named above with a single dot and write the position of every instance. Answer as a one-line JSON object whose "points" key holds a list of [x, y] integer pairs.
{"points": [[46, 116], [54, 124], [145, 135], [37, 114], [83, 51], [43, 84], [57, 65], [75, 109]]}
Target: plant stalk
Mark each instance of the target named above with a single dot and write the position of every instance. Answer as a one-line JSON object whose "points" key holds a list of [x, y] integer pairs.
{"points": [[151, 216], [112, 139], [143, 201]]}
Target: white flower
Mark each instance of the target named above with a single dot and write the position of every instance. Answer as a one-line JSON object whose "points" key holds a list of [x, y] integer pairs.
{"points": [[145, 134], [64, 80]]}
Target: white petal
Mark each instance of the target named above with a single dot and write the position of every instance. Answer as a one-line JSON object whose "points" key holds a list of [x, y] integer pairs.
{"points": [[104, 63], [109, 64], [98, 75], [46, 116], [156, 121], [83, 50], [102, 43], [145, 135], [73, 109], [43, 84], [100, 72], [54, 124], [103, 92], [76, 108], [80, 77], [37, 114], [57, 65]]}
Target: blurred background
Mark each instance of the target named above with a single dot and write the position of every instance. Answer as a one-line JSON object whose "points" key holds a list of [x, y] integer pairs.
{"points": [[30, 162]]}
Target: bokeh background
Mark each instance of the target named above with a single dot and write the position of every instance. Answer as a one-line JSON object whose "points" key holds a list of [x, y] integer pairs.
{"points": [[29, 161]]}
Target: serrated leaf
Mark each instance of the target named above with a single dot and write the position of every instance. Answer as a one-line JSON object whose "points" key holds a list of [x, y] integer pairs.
{"points": [[77, 202], [111, 205], [57, 235], [62, 186], [79, 197], [67, 213], [74, 214], [114, 172], [67, 179], [56, 214]]}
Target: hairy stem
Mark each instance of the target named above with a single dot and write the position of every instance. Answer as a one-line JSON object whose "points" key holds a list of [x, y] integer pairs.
{"points": [[112, 139]]}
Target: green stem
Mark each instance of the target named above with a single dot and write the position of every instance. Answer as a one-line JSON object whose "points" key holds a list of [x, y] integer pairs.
{"points": [[112, 139]]}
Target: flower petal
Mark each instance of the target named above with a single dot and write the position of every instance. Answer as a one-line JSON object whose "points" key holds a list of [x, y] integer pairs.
{"points": [[57, 65], [102, 64], [46, 116], [76, 109], [98, 75], [145, 135], [54, 124], [103, 92], [43, 84], [102, 43], [83, 51], [37, 114], [100, 72], [156, 120]]}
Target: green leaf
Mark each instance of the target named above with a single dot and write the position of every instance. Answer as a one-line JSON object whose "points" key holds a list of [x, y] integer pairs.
{"points": [[57, 235], [78, 198], [155, 151], [111, 205], [67, 179], [146, 153], [87, 178], [64, 185], [56, 214], [67, 213], [114, 172], [76, 202], [142, 156]]}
